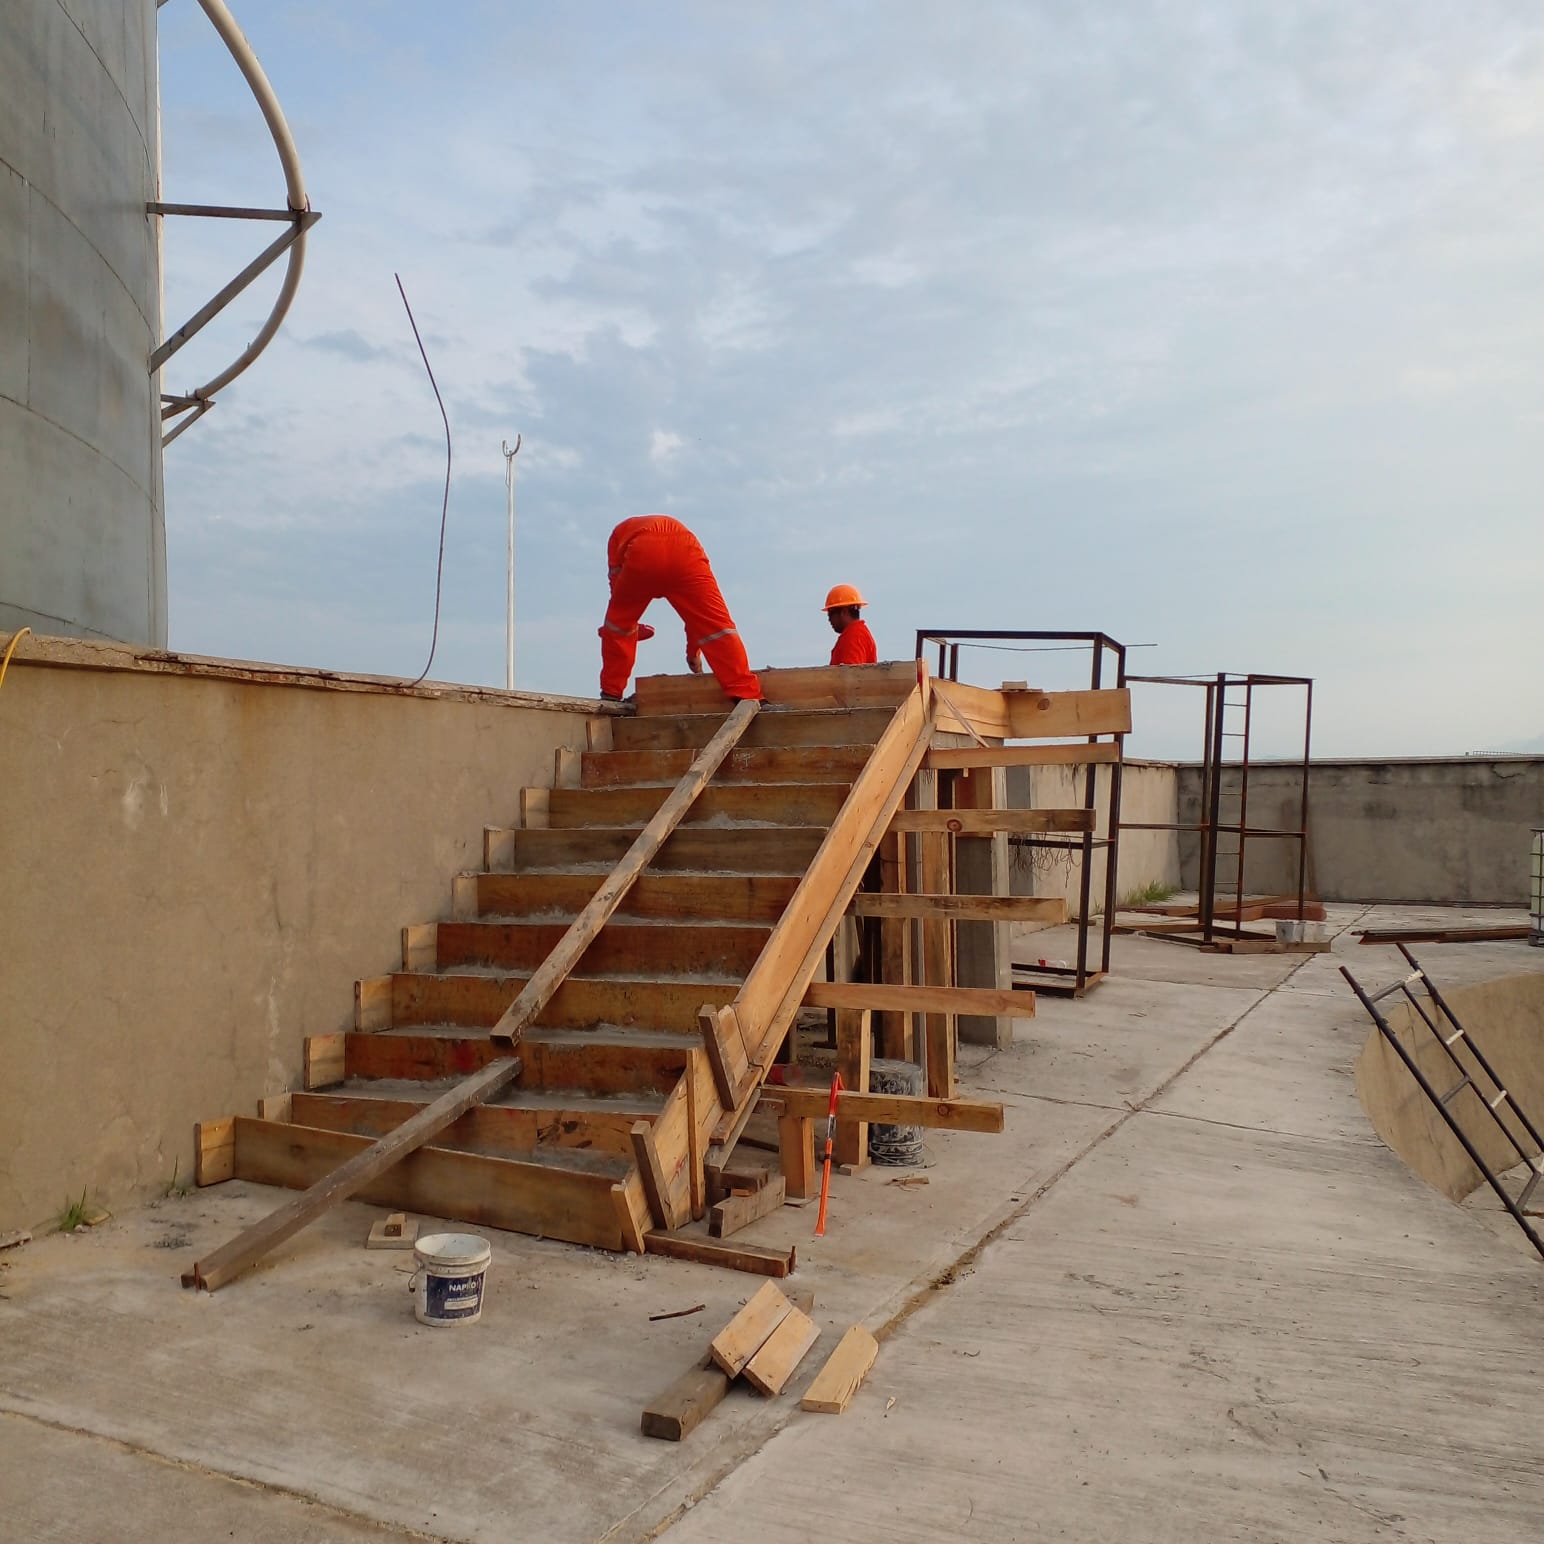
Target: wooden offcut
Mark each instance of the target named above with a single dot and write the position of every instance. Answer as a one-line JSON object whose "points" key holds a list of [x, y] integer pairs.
{"points": [[782, 1351], [747, 1332], [214, 1151], [844, 1370], [696, 1244], [742, 1208]]}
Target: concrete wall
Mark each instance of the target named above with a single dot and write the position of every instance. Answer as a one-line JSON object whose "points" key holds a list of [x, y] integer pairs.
{"points": [[1148, 795], [1452, 829], [81, 529], [197, 869]]}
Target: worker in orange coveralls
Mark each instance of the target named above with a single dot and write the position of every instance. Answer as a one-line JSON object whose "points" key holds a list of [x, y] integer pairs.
{"points": [[854, 642], [653, 557]]}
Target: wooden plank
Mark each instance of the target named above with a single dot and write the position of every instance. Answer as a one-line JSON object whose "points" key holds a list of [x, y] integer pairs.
{"points": [[765, 764], [972, 710], [671, 1135], [889, 1109], [796, 1147], [463, 896], [498, 848], [964, 758], [775, 1363], [775, 986], [747, 1332], [773, 850], [533, 808], [817, 686], [477, 1001], [727, 898], [697, 1082], [354, 1175], [695, 1244], [936, 877], [894, 1029], [525, 1195], [741, 1210], [962, 908], [565, 768], [598, 736], [632, 1209], [1444, 935], [324, 1061], [689, 948], [1058, 715], [420, 946], [652, 1173], [278, 1106], [372, 1004], [214, 1151], [500, 1130], [854, 1047], [780, 804], [856, 995], [791, 727], [725, 1047], [987, 822], [844, 1370]]}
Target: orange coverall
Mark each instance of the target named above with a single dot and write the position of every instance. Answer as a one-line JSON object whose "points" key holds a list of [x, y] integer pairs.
{"points": [[855, 645], [653, 557]]}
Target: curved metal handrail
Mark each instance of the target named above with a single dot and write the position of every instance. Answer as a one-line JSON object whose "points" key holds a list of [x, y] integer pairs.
{"points": [[299, 213]]}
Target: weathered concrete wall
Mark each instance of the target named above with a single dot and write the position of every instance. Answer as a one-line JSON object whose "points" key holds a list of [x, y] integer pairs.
{"points": [[1148, 796], [197, 869], [80, 295], [1451, 830]]}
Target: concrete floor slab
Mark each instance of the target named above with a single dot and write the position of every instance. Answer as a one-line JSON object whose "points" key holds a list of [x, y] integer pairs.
{"points": [[1227, 1312]]}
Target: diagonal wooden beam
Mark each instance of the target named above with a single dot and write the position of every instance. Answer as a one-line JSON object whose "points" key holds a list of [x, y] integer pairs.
{"points": [[253, 1243]]}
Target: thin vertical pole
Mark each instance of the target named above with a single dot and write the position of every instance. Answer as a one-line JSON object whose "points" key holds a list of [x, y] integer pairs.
{"points": [[509, 591]]}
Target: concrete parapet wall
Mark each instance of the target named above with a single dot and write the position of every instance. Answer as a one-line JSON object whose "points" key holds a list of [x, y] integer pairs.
{"points": [[1148, 795], [1453, 830], [200, 859]]}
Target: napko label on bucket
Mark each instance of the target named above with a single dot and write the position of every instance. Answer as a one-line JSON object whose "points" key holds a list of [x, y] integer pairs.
{"points": [[448, 1297]]}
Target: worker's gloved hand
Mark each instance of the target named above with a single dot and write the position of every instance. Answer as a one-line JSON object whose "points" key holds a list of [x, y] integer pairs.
{"points": [[694, 662], [645, 632]]}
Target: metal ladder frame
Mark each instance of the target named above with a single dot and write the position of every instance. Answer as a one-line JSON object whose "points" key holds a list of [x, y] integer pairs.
{"points": [[1442, 1102]]}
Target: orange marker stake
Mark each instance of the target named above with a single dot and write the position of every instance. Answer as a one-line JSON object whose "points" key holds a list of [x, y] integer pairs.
{"points": [[825, 1178]]}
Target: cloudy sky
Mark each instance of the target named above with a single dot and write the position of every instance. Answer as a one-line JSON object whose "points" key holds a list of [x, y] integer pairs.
{"points": [[1218, 327]]}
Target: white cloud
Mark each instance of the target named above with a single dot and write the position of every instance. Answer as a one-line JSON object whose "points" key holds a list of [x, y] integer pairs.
{"points": [[663, 446]]}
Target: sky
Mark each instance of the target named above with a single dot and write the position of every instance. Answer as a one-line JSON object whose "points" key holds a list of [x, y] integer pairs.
{"points": [[1218, 328]]}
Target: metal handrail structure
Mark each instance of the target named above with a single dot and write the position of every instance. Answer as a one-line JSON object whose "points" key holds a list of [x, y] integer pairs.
{"points": [[1050, 979], [188, 407]]}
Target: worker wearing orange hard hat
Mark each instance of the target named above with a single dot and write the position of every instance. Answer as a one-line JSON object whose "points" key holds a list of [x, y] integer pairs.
{"points": [[653, 557], [854, 642]]}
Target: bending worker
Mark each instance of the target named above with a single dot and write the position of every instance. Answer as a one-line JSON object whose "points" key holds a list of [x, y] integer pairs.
{"points": [[854, 642], [652, 557]]}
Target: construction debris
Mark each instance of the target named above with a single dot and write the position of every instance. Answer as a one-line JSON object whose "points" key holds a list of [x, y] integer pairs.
{"points": [[1443, 935], [846, 1368], [393, 1232]]}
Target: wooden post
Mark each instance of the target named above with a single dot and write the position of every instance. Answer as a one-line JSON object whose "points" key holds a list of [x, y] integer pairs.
{"points": [[895, 1037], [937, 950], [853, 1045], [796, 1141]]}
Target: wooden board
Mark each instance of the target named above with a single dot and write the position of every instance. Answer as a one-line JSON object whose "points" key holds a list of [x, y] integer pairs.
{"points": [[845, 1369], [747, 1331], [935, 873], [725, 1047], [772, 991], [689, 948], [967, 758], [964, 822], [781, 730], [372, 1003], [481, 1001], [742, 1209], [817, 686], [324, 1060], [1057, 715], [854, 1050], [767, 764], [962, 908], [796, 1147], [774, 850], [919, 999], [521, 1195], [782, 1351], [653, 898], [1444, 935], [695, 1244], [890, 1109], [214, 1151], [786, 804]]}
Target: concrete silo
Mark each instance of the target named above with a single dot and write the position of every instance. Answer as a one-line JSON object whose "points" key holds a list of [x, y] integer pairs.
{"points": [[82, 537]]}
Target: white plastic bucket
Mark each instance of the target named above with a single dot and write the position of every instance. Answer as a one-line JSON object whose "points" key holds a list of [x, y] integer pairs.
{"points": [[447, 1285]]}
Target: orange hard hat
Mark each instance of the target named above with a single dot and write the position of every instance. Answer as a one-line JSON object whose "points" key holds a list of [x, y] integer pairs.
{"points": [[843, 595]]}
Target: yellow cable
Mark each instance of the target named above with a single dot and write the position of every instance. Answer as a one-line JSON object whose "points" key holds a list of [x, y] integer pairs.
{"points": [[5, 664]]}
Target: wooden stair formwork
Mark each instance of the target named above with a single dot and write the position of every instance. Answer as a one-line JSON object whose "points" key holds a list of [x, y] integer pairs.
{"points": [[644, 1065]]}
